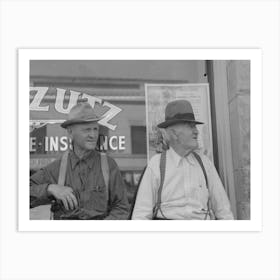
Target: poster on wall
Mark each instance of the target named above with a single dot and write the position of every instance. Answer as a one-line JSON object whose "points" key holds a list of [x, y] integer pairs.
{"points": [[158, 95]]}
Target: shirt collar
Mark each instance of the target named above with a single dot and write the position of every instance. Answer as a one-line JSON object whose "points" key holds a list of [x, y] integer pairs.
{"points": [[88, 159], [177, 159]]}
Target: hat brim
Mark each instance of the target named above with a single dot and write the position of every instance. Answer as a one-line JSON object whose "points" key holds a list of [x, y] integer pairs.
{"points": [[77, 121], [172, 122]]}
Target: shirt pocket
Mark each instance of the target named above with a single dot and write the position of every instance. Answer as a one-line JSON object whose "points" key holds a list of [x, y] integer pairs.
{"points": [[94, 198], [199, 193], [202, 193]]}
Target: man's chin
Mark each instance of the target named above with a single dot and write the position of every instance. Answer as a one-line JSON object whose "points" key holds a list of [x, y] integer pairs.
{"points": [[90, 147], [193, 147]]}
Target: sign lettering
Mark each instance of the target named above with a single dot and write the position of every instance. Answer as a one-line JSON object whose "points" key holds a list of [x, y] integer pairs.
{"points": [[59, 100], [74, 95], [35, 104], [61, 144]]}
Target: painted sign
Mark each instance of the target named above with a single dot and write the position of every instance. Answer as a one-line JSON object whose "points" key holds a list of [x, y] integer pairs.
{"points": [[55, 103], [49, 108]]}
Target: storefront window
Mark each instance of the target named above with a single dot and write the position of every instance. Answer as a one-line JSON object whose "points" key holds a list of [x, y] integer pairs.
{"points": [[138, 137]]}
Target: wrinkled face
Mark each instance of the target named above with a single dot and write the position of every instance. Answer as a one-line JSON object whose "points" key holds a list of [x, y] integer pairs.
{"points": [[185, 135], [85, 136]]}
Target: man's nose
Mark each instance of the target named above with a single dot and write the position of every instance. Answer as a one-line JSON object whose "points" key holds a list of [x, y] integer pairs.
{"points": [[92, 133], [195, 130]]}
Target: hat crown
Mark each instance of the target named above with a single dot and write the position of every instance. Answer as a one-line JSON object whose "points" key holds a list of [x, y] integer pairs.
{"points": [[82, 111], [178, 107], [178, 111]]}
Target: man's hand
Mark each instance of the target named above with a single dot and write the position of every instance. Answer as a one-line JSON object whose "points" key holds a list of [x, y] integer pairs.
{"points": [[65, 194]]}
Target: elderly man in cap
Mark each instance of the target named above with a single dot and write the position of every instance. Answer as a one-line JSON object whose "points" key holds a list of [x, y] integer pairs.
{"points": [[77, 183], [180, 183]]}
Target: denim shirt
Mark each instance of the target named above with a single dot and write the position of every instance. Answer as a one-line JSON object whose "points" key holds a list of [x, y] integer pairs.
{"points": [[85, 177]]}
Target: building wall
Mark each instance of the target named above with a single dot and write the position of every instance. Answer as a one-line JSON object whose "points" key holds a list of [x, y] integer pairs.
{"points": [[238, 75], [133, 116], [189, 70], [118, 79]]}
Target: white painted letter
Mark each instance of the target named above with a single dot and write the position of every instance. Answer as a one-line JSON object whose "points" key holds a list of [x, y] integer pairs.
{"points": [[92, 99], [39, 95], [46, 144], [54, 143], [104, 140], [111, 143], [63, 143], [60, 98], [32, 143], [110, 114], [121, 142]]}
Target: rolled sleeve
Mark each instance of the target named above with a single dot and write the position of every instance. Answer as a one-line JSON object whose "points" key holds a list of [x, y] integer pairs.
{"points": [[40, 181], [39, 185]]}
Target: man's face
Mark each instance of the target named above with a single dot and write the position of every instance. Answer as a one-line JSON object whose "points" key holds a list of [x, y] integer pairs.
{"points": [[185, 135], [85, 136]]}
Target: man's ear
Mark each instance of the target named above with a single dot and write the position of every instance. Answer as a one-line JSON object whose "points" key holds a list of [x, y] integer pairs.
{"points": [[171, 131]]}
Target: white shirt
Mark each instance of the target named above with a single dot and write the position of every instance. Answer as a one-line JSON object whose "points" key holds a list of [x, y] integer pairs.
{"points": [[184, 194]]}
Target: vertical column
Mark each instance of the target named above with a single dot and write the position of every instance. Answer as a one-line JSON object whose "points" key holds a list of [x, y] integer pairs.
{"points": [[224, 145], [238, 76]]}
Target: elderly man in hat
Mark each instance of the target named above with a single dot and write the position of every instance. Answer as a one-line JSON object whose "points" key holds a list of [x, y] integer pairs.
{"points": [[77, 182], [180, 183]]}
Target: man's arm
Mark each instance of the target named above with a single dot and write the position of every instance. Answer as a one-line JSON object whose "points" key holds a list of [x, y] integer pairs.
{"points": [[40, 180], [146, 197], [119, 207], [44, 188], [219, 200]]}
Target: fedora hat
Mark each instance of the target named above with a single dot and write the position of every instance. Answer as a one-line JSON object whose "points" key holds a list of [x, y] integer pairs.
{"points": [[80, 113], [178, 111]]}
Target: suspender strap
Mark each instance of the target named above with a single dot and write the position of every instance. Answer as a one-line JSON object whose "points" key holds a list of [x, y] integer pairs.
{"points": [[209, 212], [162, 166], [62, 169], [105, 172], [198, 158], [61, 176]]}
